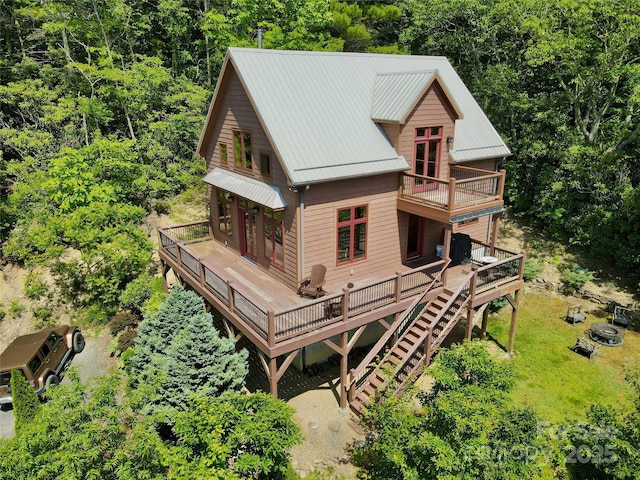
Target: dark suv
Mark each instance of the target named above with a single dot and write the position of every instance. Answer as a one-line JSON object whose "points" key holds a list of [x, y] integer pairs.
{"points": [[42, 358]]}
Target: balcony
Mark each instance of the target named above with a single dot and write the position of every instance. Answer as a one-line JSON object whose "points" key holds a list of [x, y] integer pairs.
{"points": [[278, 321], [469, 191]]}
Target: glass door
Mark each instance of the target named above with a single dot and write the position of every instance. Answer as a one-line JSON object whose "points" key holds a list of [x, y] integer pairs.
{"points": [[249, 235]]}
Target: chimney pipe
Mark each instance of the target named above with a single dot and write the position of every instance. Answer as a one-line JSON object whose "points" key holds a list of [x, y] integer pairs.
{"points": [[259, 38]]}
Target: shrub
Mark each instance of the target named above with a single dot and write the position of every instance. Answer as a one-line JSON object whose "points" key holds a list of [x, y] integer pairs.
{"points": [[162, 208], [25, 401], [532, 269], [126, 339], [43, 317], [576, 278], [497, 303], [122, 321], [16, 309], [137, 293], [34, 286]]}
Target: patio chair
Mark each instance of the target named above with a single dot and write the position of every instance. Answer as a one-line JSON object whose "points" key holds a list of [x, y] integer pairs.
{"points": [[621, 316], [312, 285], [575, 315]]}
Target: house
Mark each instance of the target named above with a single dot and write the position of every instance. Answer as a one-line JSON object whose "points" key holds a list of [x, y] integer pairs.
{"points": [[381, 168]]}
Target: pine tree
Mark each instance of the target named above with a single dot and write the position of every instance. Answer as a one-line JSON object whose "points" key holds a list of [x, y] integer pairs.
{"points": [[26, 403], [203, 363]]}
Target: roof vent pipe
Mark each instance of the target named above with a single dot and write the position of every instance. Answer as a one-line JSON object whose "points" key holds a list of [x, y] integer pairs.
{"points": [[259, 38]]}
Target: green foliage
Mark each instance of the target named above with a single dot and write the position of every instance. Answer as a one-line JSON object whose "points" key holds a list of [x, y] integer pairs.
{"points": [[34, 287], [121, 321], [575, 278], [26, 403], [179, 354], [532, 268], [466, 428], [608, 444], [233, 436], [84, 434], [42, 317], [137, 293], [16, 308]]}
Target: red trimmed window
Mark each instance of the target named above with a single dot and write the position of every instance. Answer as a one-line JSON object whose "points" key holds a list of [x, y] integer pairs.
{"points": [[265, 164], [427, 151], [352, 234], [242, 150], [223, 154], [224, 211], [273, 229]]}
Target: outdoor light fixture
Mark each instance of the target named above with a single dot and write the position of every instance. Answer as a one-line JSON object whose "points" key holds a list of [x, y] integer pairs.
{"points": [[449, 142]]}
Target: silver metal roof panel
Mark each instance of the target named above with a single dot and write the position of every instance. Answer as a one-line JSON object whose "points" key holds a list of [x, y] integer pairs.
{"points": [[316, 110], [254, 190]]}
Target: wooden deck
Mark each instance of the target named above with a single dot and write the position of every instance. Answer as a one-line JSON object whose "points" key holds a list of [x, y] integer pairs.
{"points": [[278, 321]]}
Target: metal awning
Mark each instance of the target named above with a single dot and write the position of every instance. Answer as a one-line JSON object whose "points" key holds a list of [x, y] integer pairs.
{"points": [[476, 214], [255, 190]]}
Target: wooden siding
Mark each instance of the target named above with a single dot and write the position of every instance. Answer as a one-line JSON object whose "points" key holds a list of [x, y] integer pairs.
{"points": [[383, 239], [234, 111], [432, 111]]}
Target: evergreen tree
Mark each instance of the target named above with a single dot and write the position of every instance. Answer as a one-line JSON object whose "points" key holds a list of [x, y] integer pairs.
{"points": [[203, 363], [26, 404]]}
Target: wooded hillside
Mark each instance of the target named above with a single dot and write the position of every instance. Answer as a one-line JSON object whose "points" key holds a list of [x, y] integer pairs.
{"points": [[102, 102]]}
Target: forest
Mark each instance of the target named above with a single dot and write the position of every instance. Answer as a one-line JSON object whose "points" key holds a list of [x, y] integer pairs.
{"points": [[102, 103], [101, 106]]}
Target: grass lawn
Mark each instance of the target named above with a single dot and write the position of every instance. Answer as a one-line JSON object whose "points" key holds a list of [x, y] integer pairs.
{"points": [[558, 383]]}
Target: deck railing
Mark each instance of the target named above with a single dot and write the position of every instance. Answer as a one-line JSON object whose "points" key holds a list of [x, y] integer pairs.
{"points": [[467, 186], [277, 326], [508, 267]]}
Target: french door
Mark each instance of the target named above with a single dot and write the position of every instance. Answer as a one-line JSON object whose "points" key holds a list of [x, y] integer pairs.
{"points": [[426, 159], [249, 234]]}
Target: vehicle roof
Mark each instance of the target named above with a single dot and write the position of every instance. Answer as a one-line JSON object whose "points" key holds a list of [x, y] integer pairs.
{"points": [[23, 348]]}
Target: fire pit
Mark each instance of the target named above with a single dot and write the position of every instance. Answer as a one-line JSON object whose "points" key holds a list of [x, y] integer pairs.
{"points": [[606, 334]]}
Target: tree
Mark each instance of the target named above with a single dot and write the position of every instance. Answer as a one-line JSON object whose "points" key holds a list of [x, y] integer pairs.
{"points": [[83, 433], [233, 436], [26, 403], [179, 354], [467, 426]]}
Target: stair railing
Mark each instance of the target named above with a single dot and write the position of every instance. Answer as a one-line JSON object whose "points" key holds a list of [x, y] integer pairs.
{"points": [[358, 375]]}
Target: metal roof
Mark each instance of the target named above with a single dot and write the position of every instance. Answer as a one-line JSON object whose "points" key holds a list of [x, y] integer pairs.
{"points": [[394, 94], [316, 109], [254, 190]]}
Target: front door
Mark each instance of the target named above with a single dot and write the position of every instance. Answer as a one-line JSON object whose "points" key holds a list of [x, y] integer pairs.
{"points": [[248, 238], [415, 237]]}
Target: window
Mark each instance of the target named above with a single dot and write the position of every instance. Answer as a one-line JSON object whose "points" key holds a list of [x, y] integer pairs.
{"points": [[265, 164], [224, 211], [35, 364], [273, 230], [242, 150], [45, 350], [223, 154], [352, 234], [466, 223], [53, 340], [427, 151]]}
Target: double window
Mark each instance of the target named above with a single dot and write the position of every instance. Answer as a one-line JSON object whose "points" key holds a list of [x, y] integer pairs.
{"points": [[242, 150], [273, 228], [352, 234]]}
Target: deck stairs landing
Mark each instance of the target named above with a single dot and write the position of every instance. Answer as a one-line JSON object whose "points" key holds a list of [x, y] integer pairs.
{"points": [[414, 347]]}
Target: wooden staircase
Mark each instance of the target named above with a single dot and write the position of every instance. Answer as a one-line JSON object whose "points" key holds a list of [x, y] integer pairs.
{"points": [[414, 347]]}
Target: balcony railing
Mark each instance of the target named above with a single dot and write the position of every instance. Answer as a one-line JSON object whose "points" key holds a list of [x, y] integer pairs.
{"points": [[466, 187], [275, 326]]}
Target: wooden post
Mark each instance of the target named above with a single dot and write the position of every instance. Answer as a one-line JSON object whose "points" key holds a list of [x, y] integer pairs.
{"points": [[446, 251], [352, 385], [273, 377], [514, 318], [452, 195], [230, 296], [469, 328], [494, 233], [485, 321], [165, 269], [398, 286], [344, 368], [427, 348], [271, 328]]}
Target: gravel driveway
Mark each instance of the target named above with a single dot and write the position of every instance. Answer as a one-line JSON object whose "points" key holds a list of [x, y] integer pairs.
{"points": [[94, 361]]}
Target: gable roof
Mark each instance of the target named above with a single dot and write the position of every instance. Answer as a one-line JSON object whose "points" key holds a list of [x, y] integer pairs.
{"points": [[317, 108], [396, 94]]}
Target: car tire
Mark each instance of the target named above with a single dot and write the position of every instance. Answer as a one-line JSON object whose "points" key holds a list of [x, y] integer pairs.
{"points": [[51, 381], [78, 342]]}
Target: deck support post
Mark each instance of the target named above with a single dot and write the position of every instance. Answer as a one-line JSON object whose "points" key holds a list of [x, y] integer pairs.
{"points": [[469, 328], [344, 370], [273, 377], [494, 233], [514, 317], [485, 321], [165, 270]]}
